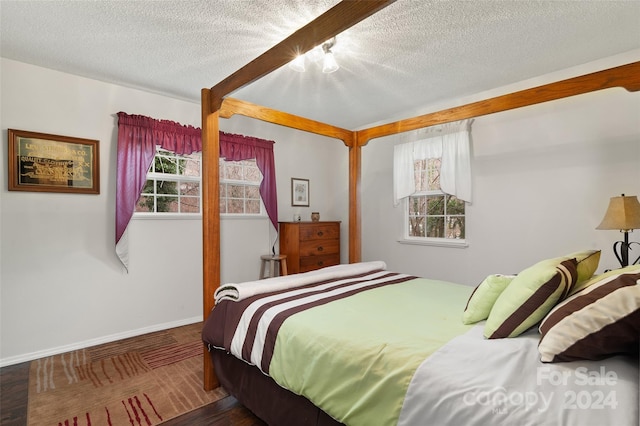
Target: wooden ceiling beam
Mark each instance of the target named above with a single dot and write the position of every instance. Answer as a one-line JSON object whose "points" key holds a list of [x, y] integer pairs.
{"points": [[331, 23], [626, 76]]}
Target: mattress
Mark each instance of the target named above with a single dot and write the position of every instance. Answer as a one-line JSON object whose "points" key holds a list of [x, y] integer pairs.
{"points": [[368, 346]]}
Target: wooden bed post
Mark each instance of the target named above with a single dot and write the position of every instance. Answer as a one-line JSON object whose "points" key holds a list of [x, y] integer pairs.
{"points": [[355, 196], [210, 218]]}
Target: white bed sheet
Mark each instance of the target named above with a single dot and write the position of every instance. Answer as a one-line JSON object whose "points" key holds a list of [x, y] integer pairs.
{"points": [[476, 381], [241, 291]]}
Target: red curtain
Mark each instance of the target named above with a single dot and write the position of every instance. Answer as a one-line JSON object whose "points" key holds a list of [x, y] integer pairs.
{"points": [[138, 136], [137, 139], [238, 148]]}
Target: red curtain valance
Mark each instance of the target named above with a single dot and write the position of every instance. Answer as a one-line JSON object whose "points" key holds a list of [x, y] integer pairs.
{"points": [[172, 136]]}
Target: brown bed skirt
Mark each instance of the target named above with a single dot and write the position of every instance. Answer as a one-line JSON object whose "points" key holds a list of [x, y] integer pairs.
{"points": [[264, 397]]}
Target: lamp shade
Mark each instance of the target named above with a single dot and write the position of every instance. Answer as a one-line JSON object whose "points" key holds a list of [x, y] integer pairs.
{"points": [[297, 64], [623, 214], [330, 65]]}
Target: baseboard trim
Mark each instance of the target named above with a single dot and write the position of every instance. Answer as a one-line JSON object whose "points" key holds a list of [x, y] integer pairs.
{"points": [[4, 362]]}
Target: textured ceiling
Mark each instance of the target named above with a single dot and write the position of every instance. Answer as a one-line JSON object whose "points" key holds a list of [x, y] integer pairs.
{"points": [[411, 54]]}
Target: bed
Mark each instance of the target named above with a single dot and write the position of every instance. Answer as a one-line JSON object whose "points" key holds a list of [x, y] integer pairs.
{"points": [[360, 345], [216, 105]]}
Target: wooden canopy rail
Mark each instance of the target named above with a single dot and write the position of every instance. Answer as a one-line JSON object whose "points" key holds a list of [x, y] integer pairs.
{"points": [[334, 21], [626, 76]]}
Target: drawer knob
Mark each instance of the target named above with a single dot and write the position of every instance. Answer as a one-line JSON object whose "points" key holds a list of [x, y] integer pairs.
{"points": [[320, 263], [320, 248], [320, 233]]}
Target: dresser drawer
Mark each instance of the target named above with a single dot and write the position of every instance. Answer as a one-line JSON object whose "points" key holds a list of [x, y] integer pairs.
{"points": [[310, 245], [309, 263], [319, 247], [319, 232]]}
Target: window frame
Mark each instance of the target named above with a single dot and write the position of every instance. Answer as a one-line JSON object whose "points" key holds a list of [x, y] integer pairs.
{"points": [[158, 176], [222, 180], [430, 241]]}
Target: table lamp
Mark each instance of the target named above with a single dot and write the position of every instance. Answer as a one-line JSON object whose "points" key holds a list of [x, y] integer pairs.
{"points": [[622, 214]]}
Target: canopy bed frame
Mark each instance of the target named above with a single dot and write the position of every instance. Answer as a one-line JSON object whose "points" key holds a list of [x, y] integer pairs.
{"points": [[337, 19]]}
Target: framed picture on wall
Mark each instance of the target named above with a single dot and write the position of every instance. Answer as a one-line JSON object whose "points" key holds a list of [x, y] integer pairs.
{"points": [[300, 192], [50, 163]]}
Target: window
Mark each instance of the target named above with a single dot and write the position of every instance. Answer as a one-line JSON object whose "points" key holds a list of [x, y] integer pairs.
{"points": [[240, 188], [430, 212], [173, 185]]}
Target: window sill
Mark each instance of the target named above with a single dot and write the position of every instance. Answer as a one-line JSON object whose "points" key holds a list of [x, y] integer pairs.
{"points": [[170, 216], [436, 242], [243, 217], [167, 216]]}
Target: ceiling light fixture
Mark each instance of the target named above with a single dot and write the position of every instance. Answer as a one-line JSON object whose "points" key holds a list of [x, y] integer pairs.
{"points": [[329, 64], [323, 52], [297, 64]]}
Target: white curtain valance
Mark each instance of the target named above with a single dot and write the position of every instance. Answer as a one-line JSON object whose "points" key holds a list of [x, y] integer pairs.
{"points": [[450, 142]]}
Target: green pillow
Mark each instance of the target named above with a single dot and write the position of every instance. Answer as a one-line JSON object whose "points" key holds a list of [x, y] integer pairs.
{"points": [[588, 261], [483, 297], [530, 296]]}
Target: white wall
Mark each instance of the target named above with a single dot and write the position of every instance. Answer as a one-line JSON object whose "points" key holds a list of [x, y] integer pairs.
{"points": [[542, 177], [61, 284]]}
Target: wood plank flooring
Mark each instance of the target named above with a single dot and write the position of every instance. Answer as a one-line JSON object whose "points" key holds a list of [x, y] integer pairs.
{"points": [[14, 387], [14, 382]]}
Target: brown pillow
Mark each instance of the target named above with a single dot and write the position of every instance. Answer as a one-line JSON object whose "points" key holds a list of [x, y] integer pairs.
{"points": [[600, 320]]}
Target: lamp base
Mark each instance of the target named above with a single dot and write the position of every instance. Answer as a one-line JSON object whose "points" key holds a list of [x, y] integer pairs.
{"points": [[621, 250]]}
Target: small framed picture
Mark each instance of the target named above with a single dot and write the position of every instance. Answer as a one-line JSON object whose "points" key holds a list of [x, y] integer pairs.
{"points": [[300, 192], [52, 163]]}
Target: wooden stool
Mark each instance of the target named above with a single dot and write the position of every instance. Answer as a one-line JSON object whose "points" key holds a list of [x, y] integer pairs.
{"points": [[271, 260]]}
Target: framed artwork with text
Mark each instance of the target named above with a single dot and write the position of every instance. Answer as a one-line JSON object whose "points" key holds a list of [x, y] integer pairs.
{"points": [[42, 162]]}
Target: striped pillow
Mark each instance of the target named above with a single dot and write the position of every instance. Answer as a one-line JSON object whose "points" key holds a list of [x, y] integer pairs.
{"points": [[529, 297], [601, 320], [484, 296], [588, 261]]}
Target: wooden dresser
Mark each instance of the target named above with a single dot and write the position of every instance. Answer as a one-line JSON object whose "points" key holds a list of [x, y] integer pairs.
{"points": [[310, 245]]}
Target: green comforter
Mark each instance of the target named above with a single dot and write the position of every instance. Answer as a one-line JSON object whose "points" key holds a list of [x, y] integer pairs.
{"points": [[355, 357]]}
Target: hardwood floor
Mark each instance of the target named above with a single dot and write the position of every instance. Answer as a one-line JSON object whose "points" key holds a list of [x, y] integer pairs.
{"points": [[14, 387], [225, 412], [14, 382]]}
